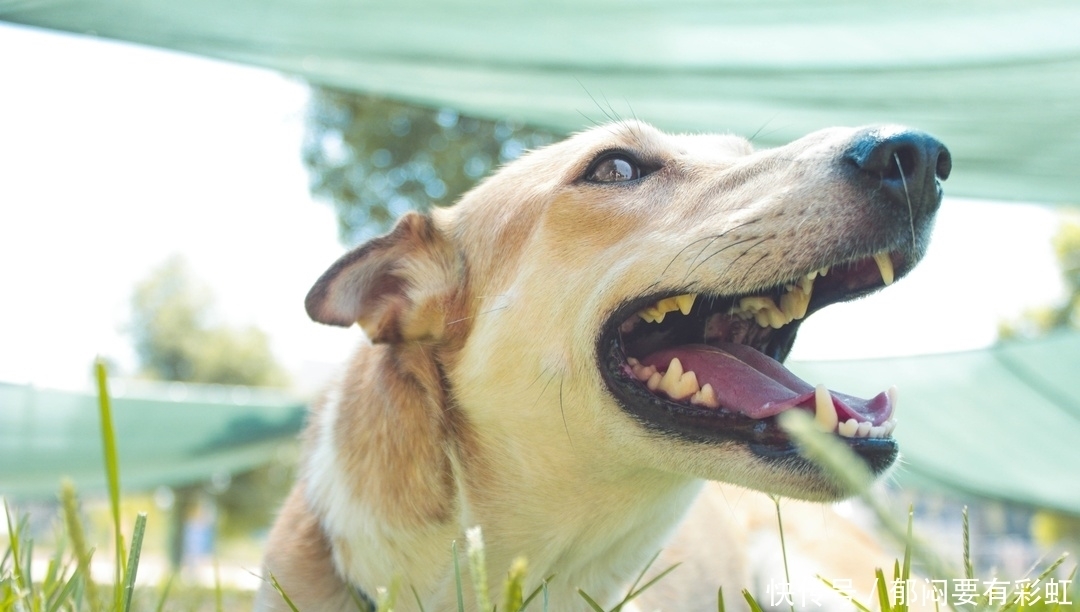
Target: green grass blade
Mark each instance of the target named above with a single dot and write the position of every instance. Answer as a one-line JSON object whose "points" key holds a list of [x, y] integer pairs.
{"points": [[133, 560], [882, 591], [783, 544], [15, 541], [532, 596], [419, 604], [277, 587], [165, 593], [906, 572], [589, 600], [648, 584], [754, 606], [217, 587], [720, 600], [457, 578], [844, 594], [969, 568], [69, 502], [65, 594], [514, 589], [643, 571], [112, 470]]}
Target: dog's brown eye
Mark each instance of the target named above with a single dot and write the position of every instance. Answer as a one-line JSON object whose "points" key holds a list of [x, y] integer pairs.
{"points": [[615, 168]]}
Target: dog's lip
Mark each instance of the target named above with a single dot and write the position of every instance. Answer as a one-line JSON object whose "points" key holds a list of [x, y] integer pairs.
{"points": [[848, 280]]}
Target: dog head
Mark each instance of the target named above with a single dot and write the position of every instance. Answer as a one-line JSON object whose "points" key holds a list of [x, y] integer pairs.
{"points": [[626, 296]]}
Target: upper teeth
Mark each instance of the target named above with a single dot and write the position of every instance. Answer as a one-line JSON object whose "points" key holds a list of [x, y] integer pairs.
{"points": [[764, 310], [884, 264]]}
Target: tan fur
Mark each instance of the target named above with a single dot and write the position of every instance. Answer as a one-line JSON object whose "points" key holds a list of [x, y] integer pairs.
{"points": [[479, 400]]}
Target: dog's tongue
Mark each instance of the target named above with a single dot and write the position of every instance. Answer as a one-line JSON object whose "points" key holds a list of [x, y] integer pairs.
{"points": [[753, 384]]}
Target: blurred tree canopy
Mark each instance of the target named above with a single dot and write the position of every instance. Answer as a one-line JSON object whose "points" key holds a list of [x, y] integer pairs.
{"points": [[1038, 321], [375, 159], [176, 338]]}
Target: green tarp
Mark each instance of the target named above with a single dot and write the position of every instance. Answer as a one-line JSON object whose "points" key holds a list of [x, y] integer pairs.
{"points": [[996, 80], [1001, 423], [167, 434]]}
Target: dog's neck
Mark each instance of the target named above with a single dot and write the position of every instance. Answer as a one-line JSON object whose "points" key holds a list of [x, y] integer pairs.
{"points": [[395, 488]]}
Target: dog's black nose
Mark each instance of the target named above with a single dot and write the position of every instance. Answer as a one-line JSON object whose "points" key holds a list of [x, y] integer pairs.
{"points": [[907, 164]]}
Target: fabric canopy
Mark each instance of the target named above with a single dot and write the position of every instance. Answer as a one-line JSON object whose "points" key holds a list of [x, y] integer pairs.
{"points": [[1000, 424], [167, 434], [997, 80]]}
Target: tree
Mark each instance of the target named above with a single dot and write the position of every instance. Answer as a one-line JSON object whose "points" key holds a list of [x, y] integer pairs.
{"points": [[374, 158], [176, 338], [1044, 319]]}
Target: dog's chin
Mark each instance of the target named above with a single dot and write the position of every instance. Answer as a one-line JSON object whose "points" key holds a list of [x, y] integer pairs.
{"points": [[706, 369]]}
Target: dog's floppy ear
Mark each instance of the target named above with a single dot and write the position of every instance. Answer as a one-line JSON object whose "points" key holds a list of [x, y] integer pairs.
{"points": [[398, 287]]}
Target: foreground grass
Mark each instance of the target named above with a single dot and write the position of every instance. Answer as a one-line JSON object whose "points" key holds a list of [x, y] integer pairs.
{"points": [[66, 585]]}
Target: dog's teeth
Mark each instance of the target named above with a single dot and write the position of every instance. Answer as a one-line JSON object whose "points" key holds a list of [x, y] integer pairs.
{"points": [[633, 362], [685, 302], [877, 431], [653, 383], [884, 264], [667, 305], [706, 396], [894, 400], [824, 409], [644, 373], [864, 429], [656, 312], [848, 428], [823, 271], [671, 377]]}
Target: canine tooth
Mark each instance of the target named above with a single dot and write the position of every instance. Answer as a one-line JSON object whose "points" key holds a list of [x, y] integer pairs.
{"points": [[824, 271], [884, 264], [654, 381], [667, 305], [864, 429], [848, 429], [894, 400], [671, 378], [824, 409], [685, 302], [685, 387], [706, 396]]}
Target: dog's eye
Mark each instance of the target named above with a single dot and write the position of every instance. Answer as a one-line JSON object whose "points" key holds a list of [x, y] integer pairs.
{"points": [[613, 168]]}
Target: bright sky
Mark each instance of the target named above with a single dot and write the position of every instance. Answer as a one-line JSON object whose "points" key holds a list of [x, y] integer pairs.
{"points": [[113, 157]]}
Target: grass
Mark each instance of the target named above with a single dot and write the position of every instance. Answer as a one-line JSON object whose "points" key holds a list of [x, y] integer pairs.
{"points": [[66, 584]]}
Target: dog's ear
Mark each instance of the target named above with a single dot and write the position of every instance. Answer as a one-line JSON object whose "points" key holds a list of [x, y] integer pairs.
{"points": [[398, 287]]}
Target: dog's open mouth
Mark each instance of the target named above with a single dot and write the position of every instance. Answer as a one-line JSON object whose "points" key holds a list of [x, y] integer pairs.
{"points": [[707, 367]]}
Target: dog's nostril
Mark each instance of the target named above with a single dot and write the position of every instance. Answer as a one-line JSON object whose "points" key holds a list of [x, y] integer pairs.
{"points": [[904, 164], [944, 164]]}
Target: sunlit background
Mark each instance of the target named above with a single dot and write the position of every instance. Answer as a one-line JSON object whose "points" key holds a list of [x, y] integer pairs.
{"points": [[116, 159]]}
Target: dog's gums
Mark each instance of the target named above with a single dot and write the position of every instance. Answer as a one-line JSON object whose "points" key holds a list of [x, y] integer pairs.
{"points": [[706, 354]]}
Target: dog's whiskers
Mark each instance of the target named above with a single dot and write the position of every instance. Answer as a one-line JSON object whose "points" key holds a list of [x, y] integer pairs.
{"points": [[907, 197]]}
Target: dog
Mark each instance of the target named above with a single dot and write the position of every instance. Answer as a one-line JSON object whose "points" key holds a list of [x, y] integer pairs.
{"points": [[569, 354]]}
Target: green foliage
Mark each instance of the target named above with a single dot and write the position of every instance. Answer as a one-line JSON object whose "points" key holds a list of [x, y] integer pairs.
{"points": [[1040, 320], [374, 158], [176, 338]]}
